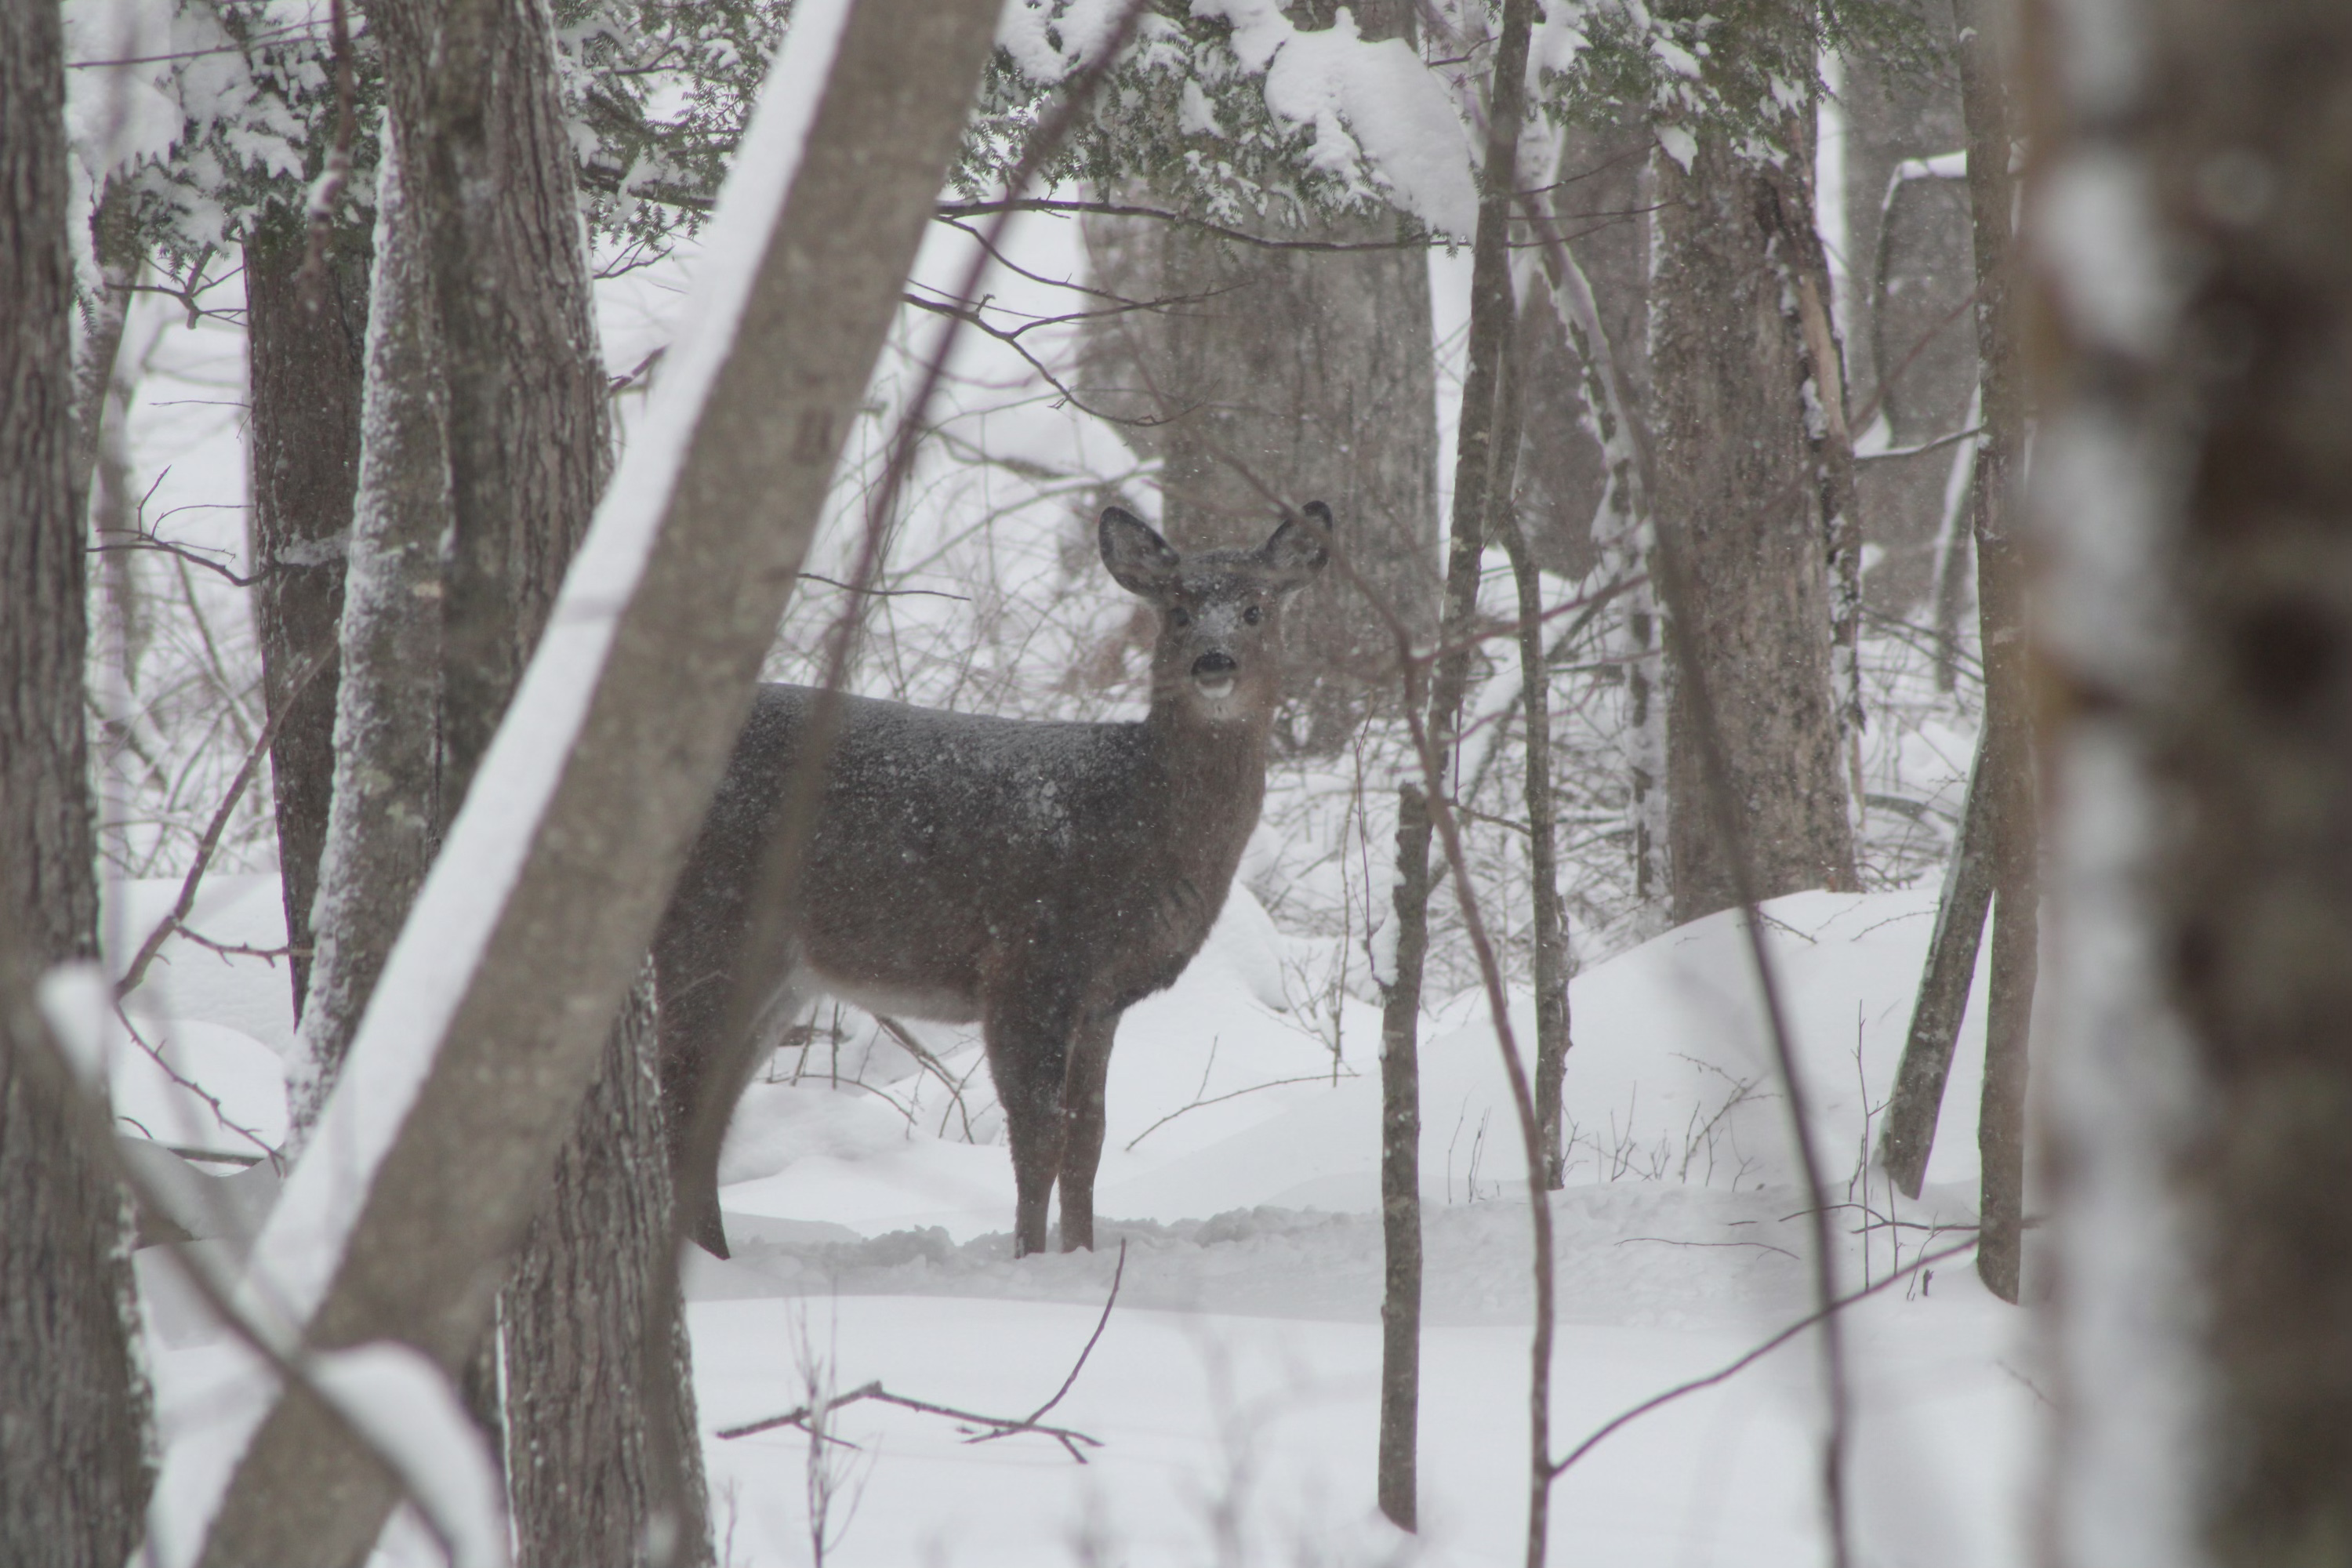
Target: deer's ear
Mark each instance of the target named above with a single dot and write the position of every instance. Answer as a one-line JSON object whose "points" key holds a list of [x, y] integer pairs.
{"points": [[1140, 560], [1298, 550]]}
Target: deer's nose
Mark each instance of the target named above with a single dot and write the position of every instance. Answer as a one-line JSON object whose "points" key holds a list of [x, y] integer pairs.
{"points": [[1213, 666]]}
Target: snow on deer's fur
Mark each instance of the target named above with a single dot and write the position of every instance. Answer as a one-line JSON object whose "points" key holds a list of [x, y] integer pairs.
{"points": [[1037, 879]]}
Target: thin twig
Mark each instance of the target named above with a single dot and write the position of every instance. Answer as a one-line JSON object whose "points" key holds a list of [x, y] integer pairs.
{"points": [[137, 972], [1752, 1357]]}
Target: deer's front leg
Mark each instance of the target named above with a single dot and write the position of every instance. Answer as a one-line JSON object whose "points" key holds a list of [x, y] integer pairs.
{"points": [[1028, 1055], [1082, 1139]]}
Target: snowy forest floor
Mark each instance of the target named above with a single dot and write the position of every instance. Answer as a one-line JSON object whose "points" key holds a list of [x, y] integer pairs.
{"points": [[1234, 1390]]}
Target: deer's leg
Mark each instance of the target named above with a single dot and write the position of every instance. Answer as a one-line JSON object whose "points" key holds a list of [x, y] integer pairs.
{"points": [[1082, 1139], [1028, 1053]]}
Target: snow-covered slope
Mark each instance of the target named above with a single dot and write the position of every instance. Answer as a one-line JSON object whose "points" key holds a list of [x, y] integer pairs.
{"points": [[1235, 1389]]}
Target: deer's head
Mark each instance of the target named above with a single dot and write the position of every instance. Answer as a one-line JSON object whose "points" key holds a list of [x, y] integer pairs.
{"points": [[1219, 655]]}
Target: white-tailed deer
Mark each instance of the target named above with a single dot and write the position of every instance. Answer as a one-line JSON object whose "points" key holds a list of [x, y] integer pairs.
{"points": [[1037, 879]]}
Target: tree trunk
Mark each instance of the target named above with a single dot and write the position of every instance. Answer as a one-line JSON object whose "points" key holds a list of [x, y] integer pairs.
{"points": [[1907, 1136], [1734, 475], [603, 1458], [2202, 632], [1308, 374], [2013, 830], [73, 1399], [308, 370], [647, 691], [380, 828], [1492, 319], [1548, 914]]}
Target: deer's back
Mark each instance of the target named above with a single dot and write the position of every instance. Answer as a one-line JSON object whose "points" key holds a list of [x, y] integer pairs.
{"points": [[956, 853]]}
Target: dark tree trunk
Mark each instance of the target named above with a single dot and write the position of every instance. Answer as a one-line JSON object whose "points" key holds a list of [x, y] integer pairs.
{"points": [[1735, 476], [1307, 375], [308, 370], [2013, 832], [74, 1474], [382, 825], [1907, 1136], [1492, 319], [603, 1458], [1547, 913]]}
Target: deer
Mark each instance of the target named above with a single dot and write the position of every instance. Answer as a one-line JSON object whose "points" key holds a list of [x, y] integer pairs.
{"points": [[1035, 877]]}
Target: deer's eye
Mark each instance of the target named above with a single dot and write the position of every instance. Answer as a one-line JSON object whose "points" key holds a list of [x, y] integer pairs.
{"points": [[1253, 615], [1179, 617]]}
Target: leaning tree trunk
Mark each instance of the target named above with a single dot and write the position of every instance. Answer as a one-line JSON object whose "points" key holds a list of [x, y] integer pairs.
{"points": [[572, 884], [74, 1470], [1278, 376], [1735, 476], [2202, 627], [306, 345]]}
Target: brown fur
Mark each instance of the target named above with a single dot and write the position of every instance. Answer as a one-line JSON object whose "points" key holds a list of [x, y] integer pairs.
{"points": [[1037, 879]]}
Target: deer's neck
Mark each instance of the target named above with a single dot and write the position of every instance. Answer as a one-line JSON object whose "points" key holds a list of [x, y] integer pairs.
{"points": [[1215, 776]]}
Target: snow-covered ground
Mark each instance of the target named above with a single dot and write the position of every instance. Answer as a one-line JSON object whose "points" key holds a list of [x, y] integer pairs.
{"points": [[1235, 1388]]}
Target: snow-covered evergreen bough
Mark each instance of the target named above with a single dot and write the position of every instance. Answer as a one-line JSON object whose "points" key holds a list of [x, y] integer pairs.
{"points": [[1036, 879]]}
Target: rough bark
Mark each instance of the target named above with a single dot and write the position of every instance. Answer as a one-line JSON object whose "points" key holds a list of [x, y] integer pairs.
{"points": [[604, 1460], [1735, 478], [472, 87], [2007, 774], [114, 241], [676, 662], [381, 826], [307, 372], [74, 1469], [1492, 317], [1307, 375]]}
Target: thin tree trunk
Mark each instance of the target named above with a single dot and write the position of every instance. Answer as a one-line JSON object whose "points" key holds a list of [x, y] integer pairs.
{"points": [[2007, 772], [1549, 915], [380, 828], [114, 240], [573, 875], [1907, 1136], [1491, 319], [603, 1458], [308, 370], [74, 1459], [1736, 475]]}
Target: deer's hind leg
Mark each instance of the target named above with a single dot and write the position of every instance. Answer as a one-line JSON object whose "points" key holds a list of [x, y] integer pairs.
{"points": [[1082, 1139], [1029, 1038]]}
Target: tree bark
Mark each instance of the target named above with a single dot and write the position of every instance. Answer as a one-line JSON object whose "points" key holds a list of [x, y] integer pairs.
{"points": [[1548, 914], [2203, 641], [382, 825], [74, 1469], [603, 1458], [2013, 829], [574, 867], [1735, 474], [308, 370], [1308, 375], [1492, 317], [1907, 1136], [472, 87]]}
